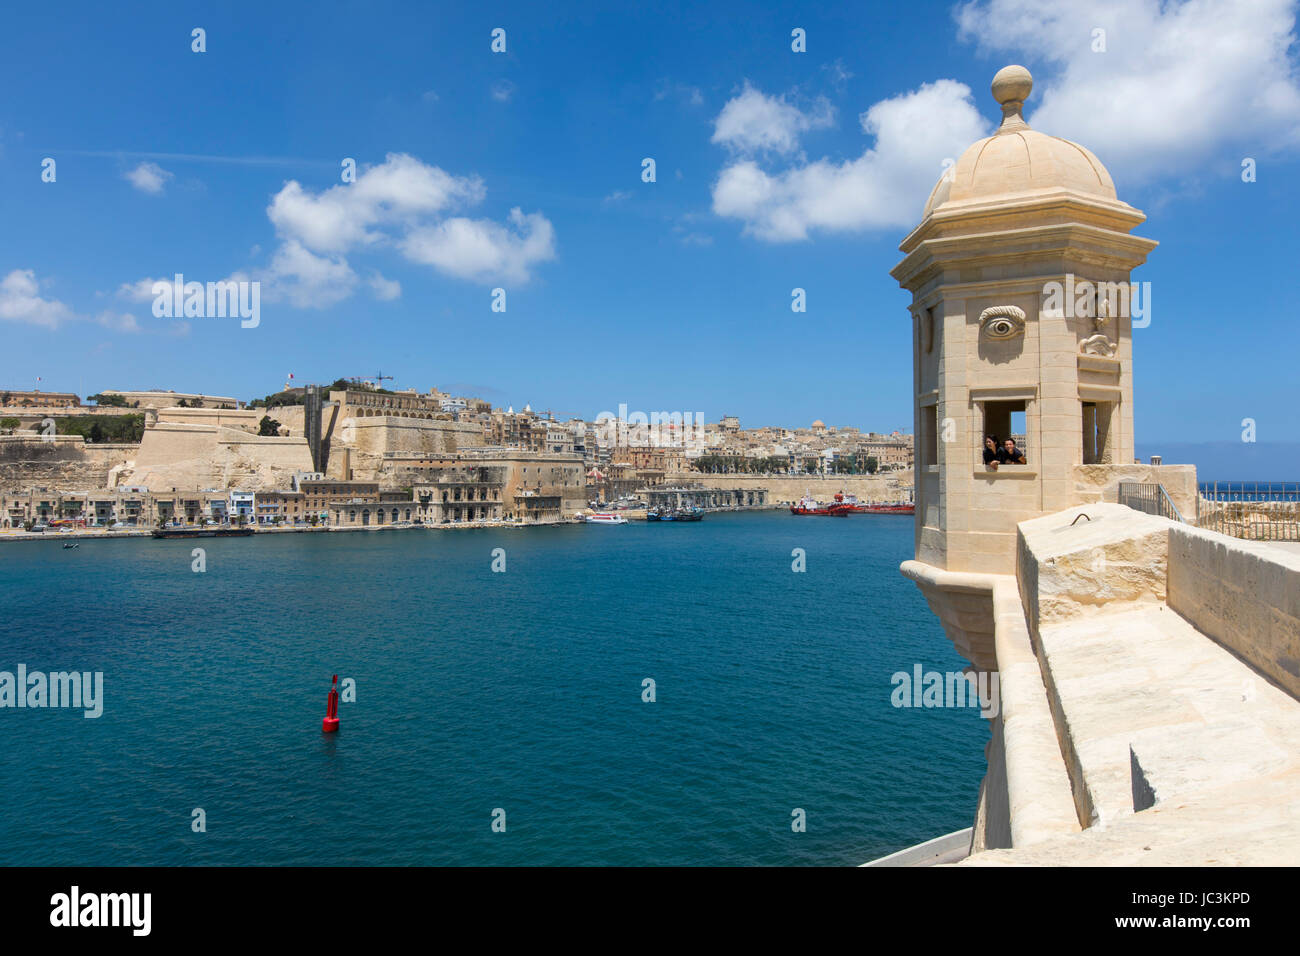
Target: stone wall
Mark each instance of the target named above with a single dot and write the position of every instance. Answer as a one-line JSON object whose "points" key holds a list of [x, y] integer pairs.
{"points": [[205, 456], [1244, 595], [1101, 483], [245, 419], [65, 464]]}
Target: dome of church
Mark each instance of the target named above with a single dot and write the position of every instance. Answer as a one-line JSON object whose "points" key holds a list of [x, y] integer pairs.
{"points": [[1019, 162]]}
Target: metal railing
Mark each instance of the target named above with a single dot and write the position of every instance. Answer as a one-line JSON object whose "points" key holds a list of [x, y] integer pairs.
{"points": [[1149, 497], [1253, 510]]}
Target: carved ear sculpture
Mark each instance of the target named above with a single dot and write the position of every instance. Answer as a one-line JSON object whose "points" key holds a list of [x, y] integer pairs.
{"points": [[1002, 322]]}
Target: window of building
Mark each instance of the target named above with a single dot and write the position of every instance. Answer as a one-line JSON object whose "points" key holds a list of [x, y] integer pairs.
{"points": [[1096, 433], [1003, 420], [929, 435]]}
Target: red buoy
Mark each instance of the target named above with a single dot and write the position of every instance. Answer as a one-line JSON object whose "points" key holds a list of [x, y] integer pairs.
{"points": [[331, 721]]}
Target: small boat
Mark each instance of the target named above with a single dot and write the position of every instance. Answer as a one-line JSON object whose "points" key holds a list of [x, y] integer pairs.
{"points": [[604, 517], [690, 514], [652, 514], [67, 545]]}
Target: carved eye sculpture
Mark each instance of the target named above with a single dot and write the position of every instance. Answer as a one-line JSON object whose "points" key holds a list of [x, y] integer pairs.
{"points": [[1002, 322]]}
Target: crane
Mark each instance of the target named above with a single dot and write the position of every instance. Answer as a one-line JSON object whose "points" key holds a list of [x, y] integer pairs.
{"points": [[378, 379]]}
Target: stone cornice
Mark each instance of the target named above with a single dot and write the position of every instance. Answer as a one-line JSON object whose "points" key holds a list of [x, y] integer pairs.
{"points": [[1102, 247]]}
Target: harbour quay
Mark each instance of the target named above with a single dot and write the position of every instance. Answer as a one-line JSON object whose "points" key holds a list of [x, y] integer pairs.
{"points": [[698, 495]]}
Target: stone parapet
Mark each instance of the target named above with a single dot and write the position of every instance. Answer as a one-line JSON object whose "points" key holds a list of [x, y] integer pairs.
{"points": [[1244, 595]]}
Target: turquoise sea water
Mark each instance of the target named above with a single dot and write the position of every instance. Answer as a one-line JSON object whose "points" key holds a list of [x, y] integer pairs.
{"points": [[478, 690]]}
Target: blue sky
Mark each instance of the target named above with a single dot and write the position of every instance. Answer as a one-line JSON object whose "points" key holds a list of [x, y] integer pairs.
{"points": [[672, 295]]}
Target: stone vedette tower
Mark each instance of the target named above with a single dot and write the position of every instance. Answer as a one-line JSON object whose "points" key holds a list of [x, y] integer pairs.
{"points": [[1010, 338], [1139, 673]]}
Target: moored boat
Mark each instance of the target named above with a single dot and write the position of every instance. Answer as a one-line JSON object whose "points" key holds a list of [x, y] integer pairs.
{"points": [[851, 505], [604, 517], [807, 505]]}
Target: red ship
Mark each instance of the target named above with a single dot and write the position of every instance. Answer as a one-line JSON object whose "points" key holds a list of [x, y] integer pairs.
{"points": [[807, 506], [851, 505]]}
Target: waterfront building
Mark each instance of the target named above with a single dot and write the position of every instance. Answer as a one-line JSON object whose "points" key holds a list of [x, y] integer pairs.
{"points": [[542, 473], [279, 507], [242, 506]]}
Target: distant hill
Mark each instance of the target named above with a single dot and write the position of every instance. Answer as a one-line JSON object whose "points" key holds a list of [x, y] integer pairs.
{"points": [[1229, 460]]}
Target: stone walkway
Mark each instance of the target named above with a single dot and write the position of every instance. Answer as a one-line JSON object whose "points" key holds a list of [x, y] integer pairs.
{"points": [[1158, 711]]}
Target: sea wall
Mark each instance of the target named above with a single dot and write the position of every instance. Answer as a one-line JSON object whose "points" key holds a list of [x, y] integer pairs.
{"points": [[893, 486], [1025, 796], [1244, 595]]}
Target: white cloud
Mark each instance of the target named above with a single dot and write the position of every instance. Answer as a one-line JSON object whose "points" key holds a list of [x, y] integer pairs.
{"points": [[753, 122], [1178, 82], [838, 74], [385, 290], [882, 188], [617, 196], [303, 279], [148, 178], [398, 191], [140, 291], [118, 321], [399, 203], [20, 301], [482, 250], [502, 90]]}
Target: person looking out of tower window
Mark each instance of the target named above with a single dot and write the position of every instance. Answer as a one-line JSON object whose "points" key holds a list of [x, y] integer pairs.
{"points": [[1011, 455], [992, 453]]}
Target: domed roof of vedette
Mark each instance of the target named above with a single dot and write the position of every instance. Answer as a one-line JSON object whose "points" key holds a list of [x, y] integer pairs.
{"points": [[1017, 161]]}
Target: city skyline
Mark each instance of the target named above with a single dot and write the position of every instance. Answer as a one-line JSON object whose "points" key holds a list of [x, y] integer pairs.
{"points": [[668, 294]]}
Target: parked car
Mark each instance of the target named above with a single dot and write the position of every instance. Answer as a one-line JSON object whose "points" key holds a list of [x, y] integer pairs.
{"points": [[40, 526]]}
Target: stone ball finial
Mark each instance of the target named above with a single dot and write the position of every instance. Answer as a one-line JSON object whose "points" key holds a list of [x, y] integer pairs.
{"points": [[1012, 84]]}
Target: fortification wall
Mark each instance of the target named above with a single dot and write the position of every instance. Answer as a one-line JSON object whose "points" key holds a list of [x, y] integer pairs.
{"points": [[1244, 595], [65, 463], [369, 439], [289, 416], [245, 419], [410, 436], [206, 456]]}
